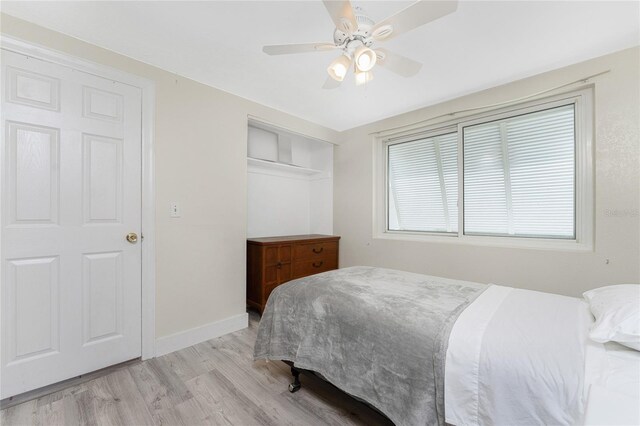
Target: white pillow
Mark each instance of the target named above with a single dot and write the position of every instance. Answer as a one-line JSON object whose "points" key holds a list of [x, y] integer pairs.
{"points": [[617, 312]]}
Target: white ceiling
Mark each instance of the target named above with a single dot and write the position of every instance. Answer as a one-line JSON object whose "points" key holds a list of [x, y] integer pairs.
{"points": [[483, 44]]}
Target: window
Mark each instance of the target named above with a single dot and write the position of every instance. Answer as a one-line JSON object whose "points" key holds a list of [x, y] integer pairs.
{"points": [[519, 175], [423, 184], [522, 174]]}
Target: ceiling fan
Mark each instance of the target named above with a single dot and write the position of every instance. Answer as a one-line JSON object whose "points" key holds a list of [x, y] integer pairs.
{"points": [[355, 34]]}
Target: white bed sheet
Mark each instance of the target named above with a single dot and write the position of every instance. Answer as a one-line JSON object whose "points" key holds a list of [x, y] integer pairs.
{"points": [[612, 385], [463, 357], [517, 357]]}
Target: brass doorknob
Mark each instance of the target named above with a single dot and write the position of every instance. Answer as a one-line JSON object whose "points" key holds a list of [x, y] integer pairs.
{"points": [[132, 237]]}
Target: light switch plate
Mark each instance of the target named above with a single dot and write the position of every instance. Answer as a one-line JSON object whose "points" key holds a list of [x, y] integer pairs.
{"points": [[174, 210]]}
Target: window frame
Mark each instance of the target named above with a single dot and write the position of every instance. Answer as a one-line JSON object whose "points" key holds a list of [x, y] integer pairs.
{"points": [[429, 134], [582, 100]]}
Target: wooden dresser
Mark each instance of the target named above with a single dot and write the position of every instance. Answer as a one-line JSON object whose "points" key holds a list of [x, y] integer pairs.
{"points": [[272, 261]]}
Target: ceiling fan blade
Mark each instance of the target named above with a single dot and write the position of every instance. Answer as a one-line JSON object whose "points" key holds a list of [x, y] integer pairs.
{"points": [[330, 83], [285, 49], [342, 15], [413, 16], [398, 64]]}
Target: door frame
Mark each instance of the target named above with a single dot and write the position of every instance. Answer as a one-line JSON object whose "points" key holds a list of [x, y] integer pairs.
{"points": [[148, 225]]}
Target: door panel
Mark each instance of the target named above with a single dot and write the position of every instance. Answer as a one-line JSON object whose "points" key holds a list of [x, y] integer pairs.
{"points": [[71, 173], [271, 274], [284, 253], [102, 179], [33, 170], [102, 296], [33, 89], [101, 105], [32, 286], [271, 255]]}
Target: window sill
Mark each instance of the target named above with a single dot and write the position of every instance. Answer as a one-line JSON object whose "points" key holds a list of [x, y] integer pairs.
{"points": [[482, 241]]}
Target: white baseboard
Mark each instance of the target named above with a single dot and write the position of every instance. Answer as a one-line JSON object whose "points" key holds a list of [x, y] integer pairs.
{"points": [[184, 339]]}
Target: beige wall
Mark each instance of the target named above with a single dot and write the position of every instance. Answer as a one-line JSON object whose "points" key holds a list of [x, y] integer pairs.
{"points": [[200, 142], [617, 193]]}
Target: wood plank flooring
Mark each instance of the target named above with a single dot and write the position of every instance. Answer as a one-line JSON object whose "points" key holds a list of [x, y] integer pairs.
{"points": [[214, 383]]}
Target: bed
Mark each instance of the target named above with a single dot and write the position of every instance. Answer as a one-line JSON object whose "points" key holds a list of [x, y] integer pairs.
{"points": [[426, 350]]}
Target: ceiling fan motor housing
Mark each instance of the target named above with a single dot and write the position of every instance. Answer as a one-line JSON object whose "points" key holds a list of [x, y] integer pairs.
{"points": [[362, 34]]}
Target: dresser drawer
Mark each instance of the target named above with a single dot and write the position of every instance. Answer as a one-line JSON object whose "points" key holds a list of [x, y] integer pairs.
{"points": [[302, 268], [315, 250]]}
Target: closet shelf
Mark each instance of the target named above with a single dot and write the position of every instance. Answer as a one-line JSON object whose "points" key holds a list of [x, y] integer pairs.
{"points": [[272, 165]]}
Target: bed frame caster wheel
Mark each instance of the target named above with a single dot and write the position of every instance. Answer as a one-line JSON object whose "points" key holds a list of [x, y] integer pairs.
{"points": [[295, 386]]}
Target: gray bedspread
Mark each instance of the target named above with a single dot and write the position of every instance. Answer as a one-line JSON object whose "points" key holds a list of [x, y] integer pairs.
{"points": [[378, 334]]}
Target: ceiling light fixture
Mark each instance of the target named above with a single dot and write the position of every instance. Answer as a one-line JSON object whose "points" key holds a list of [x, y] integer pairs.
{"points": [[365, 58], [339, 67], [363, 77], [356, 34]]}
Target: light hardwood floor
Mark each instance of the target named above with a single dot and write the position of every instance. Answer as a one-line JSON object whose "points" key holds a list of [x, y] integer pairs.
{"points": [[214, 383]]}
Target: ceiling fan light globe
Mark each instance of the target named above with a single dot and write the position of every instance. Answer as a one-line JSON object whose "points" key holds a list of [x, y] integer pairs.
{"points": [[363, 62], [340, 71], [338, 68], [335, 77], [365, 59], [363, 77]]}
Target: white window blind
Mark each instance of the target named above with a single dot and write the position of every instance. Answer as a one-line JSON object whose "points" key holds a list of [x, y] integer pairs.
{"points": [[519, 175], [423, 185]]}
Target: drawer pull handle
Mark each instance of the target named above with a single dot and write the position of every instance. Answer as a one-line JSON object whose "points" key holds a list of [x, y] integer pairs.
{"points": [[317, 264], [318, 250], [279, 265]]}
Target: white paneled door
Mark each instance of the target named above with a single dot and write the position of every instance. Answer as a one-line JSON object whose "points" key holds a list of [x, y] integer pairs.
{"points": [[71, 177]]}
